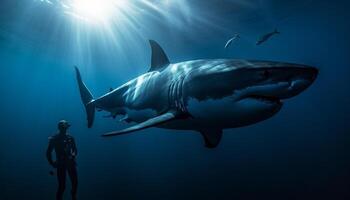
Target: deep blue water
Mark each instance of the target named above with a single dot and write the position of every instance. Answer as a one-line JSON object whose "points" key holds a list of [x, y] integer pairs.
{"points": [[301, 153]]}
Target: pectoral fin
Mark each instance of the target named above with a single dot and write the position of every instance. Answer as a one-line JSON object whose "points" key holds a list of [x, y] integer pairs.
{"points": [[211, 137], [146, 124]]}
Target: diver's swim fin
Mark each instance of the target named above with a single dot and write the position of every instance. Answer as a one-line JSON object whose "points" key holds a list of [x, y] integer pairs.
{"points": [[212, 137], [146, 124]]}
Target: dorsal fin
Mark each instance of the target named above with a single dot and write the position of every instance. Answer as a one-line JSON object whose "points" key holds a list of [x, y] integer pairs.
{"points": [[159, 59]]}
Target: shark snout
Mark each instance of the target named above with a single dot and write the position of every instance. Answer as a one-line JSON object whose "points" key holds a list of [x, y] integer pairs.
{"points": [[307, 73], [300, 78], [280, 82]]}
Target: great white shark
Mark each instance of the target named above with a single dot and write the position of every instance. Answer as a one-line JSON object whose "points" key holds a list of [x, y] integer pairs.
{"points": [[206, 96]]}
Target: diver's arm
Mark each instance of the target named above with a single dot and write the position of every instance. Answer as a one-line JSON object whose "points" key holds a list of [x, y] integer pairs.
{"points": [[49, 152], [75, 150]]}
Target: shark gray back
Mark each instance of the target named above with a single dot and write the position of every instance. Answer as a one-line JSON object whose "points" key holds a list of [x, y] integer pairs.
{"points": [[206, 96]]}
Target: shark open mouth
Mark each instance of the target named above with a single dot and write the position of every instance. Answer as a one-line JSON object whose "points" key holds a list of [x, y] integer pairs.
{"points": [[266, 99], [274, 92]]}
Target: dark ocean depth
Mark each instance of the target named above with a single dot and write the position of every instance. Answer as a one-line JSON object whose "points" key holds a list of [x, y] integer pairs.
{"points": [[301, 153]]}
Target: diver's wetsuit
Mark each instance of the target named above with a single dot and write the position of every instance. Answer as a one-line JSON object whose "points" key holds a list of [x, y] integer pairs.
{"points": [[66, 152]]}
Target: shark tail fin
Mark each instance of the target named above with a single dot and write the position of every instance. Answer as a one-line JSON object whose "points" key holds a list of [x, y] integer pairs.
{"points": [[87, 98]]}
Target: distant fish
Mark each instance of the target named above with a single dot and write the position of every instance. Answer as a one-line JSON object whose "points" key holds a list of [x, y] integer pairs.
{"points": [[266, 37], [229, 42]]}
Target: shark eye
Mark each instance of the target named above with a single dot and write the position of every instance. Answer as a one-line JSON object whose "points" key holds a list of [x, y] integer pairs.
{"points": [[266, 74]]}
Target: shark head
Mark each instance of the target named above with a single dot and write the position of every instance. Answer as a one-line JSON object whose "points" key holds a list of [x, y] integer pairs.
{"points": [[271, 81], [245, 92]]}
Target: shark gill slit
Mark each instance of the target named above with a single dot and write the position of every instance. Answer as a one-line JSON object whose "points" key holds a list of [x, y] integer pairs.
{"points": [[176, 100], [170, 95]]}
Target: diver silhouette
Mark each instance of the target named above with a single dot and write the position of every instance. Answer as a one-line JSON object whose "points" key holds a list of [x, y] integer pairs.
{"points": [[66, 152]]}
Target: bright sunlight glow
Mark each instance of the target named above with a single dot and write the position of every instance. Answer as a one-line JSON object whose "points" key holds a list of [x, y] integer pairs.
{"points": [[95, 11], [92, 9], [94, 28], [107, 13]]}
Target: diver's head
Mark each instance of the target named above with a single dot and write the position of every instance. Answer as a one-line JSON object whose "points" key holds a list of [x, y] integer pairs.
{"points": [[62, 126]]}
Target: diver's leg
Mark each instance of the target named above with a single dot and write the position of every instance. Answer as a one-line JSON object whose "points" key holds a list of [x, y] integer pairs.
{"points": [[61, 177], [73, 175]]}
